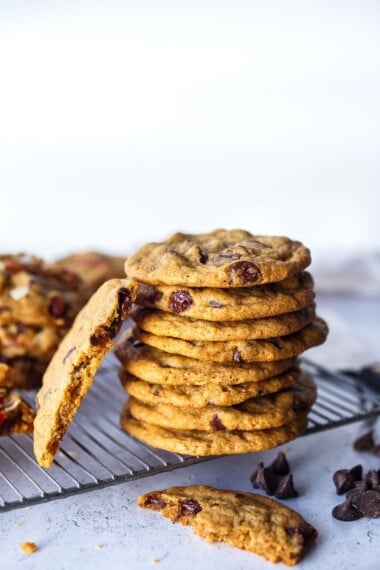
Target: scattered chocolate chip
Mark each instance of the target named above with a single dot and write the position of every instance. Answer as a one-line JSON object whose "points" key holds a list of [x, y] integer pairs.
{"points": [[154, 501], [280, 465], [236, 355], [372, 480], [216, 304], [359, 487], [365, 442], [68, 354], [345, 512], [216, 423], [344, 479], [368, 504], [180, 301], [264, 479], [285, 488], [57, 307], [245, 271], [188, 507], [203, 256]]}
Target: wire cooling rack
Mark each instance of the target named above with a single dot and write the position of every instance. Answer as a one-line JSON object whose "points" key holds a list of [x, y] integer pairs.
{"points": [[96, 453]]}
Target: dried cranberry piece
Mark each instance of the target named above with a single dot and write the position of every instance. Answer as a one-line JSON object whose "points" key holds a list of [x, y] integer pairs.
{"points": [[244, 271], [101, 335], [58, 307], [216, 423], [188, 507], [180, 301], [154, 501], [3, 417]]}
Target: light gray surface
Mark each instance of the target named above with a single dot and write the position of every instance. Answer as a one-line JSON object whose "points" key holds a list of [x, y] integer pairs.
{"points": [[68, 531]]}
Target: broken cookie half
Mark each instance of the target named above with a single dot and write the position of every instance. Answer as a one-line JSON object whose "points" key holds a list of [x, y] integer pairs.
{"points": [[74, 365]]}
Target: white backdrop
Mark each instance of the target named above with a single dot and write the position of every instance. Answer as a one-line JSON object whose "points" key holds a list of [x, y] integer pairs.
{"points": [[121, 122]]}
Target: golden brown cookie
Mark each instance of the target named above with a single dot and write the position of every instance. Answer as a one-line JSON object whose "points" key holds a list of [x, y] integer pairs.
{"points": [[162, 323], [21, 373], [292, 294], [16, 416], [222, 258], [245, 520], [196, 442], [159, 367], [94, 268], [36, 294], [188, 396], [257, 413], [277, 348], [73, 367]]}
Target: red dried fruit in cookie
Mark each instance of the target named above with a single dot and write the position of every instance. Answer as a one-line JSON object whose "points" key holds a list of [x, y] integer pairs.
{"points": [[180, 301], [244, 271]]}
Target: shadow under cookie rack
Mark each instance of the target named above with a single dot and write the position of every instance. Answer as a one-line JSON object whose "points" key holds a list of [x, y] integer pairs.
{"points": [[96, 453]]}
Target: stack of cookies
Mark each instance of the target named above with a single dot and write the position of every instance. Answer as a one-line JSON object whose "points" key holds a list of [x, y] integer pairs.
{"points": [[211, 362]]}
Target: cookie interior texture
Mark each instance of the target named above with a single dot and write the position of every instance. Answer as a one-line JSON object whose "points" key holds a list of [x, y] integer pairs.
{"points": [[245, 520]]}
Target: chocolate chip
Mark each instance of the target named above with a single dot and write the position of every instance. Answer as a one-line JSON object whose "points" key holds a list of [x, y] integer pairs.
{"points": [[124, 302], [368, 504], [299, 404], [359, 487], [264, 478], [285, 488], [344, 480], [216, 304], [101, 335], [365, 442], [57, 307], [280, 465], [245, 271], [180, 301], [68, 354], [236, 355], [357, 472], [203, 256], [216, 423], [376, 450], [372, 480], [154, 501], [189, 507], [345, 512], [306, 531]]}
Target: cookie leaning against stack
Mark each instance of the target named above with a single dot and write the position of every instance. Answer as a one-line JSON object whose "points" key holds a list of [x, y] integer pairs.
{"points": [[211, 363]]}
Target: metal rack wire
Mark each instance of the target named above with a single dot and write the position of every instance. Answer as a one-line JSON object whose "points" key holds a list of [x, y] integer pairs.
{"points": [[96, 453]]}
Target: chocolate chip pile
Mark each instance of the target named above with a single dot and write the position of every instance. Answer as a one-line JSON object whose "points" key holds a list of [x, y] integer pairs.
{"points": [[362, 494], [276, 479], [211, 363]]}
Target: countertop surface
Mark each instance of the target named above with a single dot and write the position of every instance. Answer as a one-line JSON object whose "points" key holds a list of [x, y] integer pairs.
{"points": [[105, 528]]}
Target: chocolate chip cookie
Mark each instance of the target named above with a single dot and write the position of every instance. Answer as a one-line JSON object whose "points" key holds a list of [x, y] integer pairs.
{"points": [[16, 416], [263, 350], [197, 442], [207, 395], [257, 413], [233, 304], [73, 367], [244, 520], [222, 258], [159, 367]]}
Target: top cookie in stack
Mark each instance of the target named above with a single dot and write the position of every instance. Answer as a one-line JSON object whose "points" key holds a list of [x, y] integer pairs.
{"points": [[211, 365]]}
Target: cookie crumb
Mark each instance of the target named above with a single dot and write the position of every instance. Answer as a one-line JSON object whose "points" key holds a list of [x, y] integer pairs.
{"points": [[98, 546], [156, 560], [28, 547]]}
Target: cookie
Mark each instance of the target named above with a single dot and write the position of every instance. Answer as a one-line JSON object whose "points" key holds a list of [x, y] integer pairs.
{"points": [[162, 323], [207, 395], [196, 442], [73, 366], [94, 268], [32, 293], [16, 416], [159, 367], [277, 348], [292, 294], [21, 373], [18, 340], [245, 520], [257, 413], [222, 258]]}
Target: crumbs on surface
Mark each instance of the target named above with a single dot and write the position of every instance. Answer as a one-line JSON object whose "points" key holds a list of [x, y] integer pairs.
{"points": [[156, 560], [98, 546], [28, 547]]}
